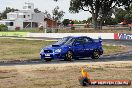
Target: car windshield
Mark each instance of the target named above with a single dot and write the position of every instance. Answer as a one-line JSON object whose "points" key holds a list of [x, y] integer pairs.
{"points": [[65, 41]]}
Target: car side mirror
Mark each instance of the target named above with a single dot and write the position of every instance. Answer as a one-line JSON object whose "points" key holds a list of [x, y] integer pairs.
{"points": [[77, 43]]}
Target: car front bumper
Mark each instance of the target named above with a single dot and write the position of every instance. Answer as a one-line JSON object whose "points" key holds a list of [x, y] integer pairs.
{"points": [[52, 55]]}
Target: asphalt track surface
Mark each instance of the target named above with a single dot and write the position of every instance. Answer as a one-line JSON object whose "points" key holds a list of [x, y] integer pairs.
{"points": [[126, 56]]}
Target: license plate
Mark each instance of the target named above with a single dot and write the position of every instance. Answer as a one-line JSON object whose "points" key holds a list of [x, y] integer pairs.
{"points": [[47, 55]]}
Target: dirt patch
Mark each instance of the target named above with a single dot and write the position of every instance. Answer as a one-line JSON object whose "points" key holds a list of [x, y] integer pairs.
{"points": [[62, 75]]}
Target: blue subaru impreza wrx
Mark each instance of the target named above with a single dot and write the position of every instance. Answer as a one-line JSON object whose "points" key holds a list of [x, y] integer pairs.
{"points": [[69, 48]]}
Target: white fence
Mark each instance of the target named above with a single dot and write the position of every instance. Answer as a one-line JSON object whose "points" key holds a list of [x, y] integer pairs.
{"points": [[118, 36], [61, 35]]}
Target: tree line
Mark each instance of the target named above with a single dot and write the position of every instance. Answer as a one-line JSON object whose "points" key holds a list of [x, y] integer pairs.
{"points": [[100, 9], [120, 14]]}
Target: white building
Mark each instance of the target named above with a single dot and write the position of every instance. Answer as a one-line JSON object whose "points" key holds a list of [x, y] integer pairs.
{"points": [[25, 18]]}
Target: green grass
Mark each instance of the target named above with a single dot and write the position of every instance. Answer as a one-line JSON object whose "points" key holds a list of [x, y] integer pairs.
{"points": [[113, 49], [13, 49], [28, 30]]}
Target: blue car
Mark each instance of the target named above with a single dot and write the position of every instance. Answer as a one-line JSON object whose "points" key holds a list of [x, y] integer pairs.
{"points": [[69, 48]]}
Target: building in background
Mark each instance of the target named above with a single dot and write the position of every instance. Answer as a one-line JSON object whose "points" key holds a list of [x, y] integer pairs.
{"points": [[25, 18], [50, 23]]}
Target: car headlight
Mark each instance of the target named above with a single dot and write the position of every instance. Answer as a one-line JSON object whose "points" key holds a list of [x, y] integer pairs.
{"points": [[42, 51], [58, 50]]}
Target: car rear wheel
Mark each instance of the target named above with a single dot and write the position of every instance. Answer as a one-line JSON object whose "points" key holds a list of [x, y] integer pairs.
{"points": [[69, 56], [95, 54]]}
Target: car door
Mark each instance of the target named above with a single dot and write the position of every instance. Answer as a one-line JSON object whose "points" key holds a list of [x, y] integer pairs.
{"points": [[88, 46], [79, 47]]}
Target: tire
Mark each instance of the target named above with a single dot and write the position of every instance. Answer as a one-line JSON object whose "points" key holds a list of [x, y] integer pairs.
{"points": [[95, 55], [69, 56]]}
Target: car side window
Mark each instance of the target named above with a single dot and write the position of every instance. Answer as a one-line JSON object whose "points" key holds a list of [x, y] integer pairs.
{"points": [[88, 40], [79, 40]]}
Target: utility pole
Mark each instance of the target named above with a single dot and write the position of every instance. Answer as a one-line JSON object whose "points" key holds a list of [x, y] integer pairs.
{"points": [[31, 21]]}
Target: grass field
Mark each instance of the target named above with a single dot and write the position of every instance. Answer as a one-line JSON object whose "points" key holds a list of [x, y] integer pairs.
{"points": [[60, 76], [13, 49]]}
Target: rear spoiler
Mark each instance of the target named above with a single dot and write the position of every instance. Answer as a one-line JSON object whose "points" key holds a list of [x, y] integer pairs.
{"points": [[100, 39]]}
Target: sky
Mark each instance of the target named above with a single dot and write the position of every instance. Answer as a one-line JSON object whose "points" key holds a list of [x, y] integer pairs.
{"points": [[48, 5]]}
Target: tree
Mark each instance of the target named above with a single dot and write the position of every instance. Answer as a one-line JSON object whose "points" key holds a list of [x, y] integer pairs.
{"points": [[0, 16], [120, 14], [128, 16], [86, 5], [66, 22], [48, 15], [7, 10], [95, 6], [110, 21], [84, 21], [89, 20], [57, 14], [123, 14], [105, 12]]}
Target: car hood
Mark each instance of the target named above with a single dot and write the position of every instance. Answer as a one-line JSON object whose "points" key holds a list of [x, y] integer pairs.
{"points": [[54, 47]]}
